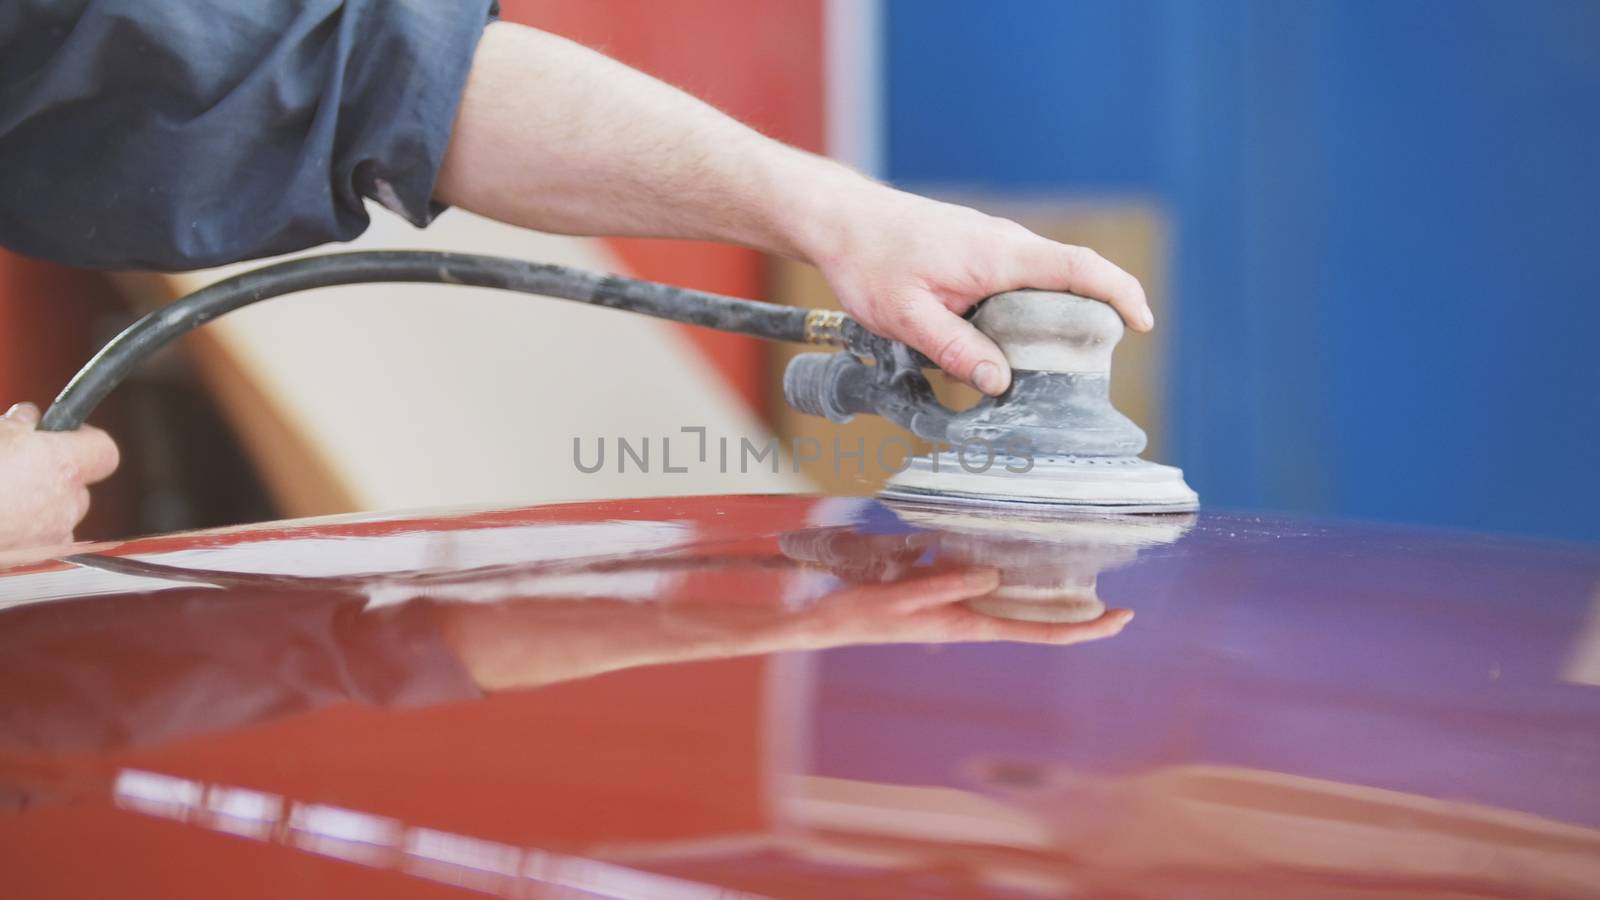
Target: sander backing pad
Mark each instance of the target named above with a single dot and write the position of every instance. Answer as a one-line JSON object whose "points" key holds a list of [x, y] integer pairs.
{"points": [[1065, 483]]}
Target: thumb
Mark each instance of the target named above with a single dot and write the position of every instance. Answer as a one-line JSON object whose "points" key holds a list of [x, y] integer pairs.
{"points": [[956, 346], [24, 414]]}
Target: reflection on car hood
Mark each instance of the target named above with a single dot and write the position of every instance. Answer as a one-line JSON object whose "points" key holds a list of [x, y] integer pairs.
{"points": [[788, 696]]}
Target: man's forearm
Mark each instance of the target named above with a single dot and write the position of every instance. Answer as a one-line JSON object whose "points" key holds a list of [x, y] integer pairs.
{"points": [[553, 136], [556, 137]]}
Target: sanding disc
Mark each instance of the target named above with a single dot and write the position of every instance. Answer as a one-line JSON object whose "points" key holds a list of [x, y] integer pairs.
{"points": [[1105, 484]]}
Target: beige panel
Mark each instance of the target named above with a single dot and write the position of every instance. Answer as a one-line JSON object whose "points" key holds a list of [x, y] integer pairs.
{"points": [[1131, 234]]}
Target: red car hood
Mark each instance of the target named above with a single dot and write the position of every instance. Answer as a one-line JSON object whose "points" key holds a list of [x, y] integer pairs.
{"points": [[724, 696]]}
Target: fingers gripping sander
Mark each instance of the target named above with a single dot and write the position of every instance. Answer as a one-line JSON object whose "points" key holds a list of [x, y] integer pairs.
{"points": [[1052, 440]]}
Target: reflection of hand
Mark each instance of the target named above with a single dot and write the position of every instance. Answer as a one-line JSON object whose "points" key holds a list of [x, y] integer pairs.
{"points": [[930, 610], [533, 641]]}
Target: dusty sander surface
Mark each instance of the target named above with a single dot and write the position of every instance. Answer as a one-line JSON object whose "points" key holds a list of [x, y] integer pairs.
{"points": [[1053, 440], [1045, 528], [1088, 483]]}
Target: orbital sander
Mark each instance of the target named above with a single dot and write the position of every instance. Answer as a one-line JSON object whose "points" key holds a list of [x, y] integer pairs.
{"points": [[1051, 442], [1053, 439]]}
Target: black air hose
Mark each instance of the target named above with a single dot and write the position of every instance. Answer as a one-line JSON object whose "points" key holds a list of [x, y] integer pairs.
{"points": [[119, 357]]}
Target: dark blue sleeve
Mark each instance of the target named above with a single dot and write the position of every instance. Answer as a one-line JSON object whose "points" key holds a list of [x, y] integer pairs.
{"points": [[179, 134]]}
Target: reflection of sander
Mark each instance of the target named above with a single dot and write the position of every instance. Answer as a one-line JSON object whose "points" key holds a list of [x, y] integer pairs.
{"points": [[1052, 441], [1049, 565]]}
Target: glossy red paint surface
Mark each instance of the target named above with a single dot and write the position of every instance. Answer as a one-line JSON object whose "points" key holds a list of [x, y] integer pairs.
{"points": [[728, 695]]}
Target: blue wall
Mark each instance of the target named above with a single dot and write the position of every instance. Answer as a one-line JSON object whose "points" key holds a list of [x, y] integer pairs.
{"points": [[1387, 226]]}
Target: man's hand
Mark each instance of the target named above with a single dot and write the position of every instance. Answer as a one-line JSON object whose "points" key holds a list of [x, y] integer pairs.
{"points": [[45, 477], [907, 268]]}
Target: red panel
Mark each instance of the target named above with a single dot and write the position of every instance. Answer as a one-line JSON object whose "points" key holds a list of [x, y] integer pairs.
{"points": [[45, 311], [760, 62]]}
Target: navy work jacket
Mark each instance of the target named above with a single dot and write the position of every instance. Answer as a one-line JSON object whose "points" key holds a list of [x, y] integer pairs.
{"points": [[180, 134]]}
